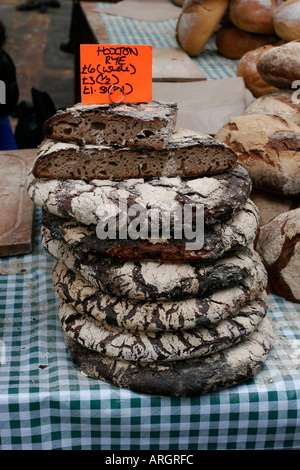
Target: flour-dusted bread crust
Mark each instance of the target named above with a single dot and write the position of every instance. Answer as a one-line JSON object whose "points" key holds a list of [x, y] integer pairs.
{"points": [[149, 315], [286, 20], [220, 239], [166, 346], [152, 280], [135, 124], [254, 16], [280, 66], [191, 377], [279, 245], [188, 154], [90, 202], [280, 103], [197, 22], [268, 147], [247, 68]]}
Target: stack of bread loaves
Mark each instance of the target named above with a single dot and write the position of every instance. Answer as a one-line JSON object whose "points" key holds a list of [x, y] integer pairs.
{"points": [[240, 25], [267, 141], [151, 311], [243, 29]]}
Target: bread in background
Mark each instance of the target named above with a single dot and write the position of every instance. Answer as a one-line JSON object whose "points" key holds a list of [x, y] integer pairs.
{"points": [[247, 68], [286, 20]]}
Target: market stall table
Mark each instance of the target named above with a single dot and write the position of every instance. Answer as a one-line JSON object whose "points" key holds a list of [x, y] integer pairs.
{"points": [[45, 403]]}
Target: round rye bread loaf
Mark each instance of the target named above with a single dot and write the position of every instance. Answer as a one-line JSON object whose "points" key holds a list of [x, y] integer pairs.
{"points": [[152, 280], [153, 315], [90, 202], [220, 239], [161, 346], [183, 378]]}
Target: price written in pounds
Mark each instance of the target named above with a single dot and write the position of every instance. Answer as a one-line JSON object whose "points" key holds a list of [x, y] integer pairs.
{"points": [[96, 81], [114, 74]]}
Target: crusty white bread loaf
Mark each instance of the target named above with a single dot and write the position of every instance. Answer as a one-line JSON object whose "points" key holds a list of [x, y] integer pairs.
{"points": [[197, 22], [269, 148], [279, 245], [187, 154], [280, 66], [279, 103], [133, 124], [286, 20], [254, 16], [247, 69], [233, 42]]}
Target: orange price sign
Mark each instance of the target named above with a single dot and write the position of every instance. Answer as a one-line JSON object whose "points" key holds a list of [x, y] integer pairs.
{"points": [[115, 73]]}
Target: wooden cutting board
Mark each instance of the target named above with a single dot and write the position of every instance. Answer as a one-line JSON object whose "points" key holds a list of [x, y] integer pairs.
{"points": [[172, 64], [16, 208]]}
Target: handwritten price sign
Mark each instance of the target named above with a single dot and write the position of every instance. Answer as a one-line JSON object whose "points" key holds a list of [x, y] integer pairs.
{"points": [[115, 73]]}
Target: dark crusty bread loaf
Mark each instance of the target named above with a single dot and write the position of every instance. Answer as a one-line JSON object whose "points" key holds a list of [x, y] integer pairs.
{"points": [[191, 377], [232, 42], [187, 154], [90, 202], [132, 124], [162, 346], [152, 280], [268, 147], [220, 239], [279, 245], [280, 66]]}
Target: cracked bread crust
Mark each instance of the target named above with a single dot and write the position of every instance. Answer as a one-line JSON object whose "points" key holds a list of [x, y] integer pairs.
{"points": [[152, 280], [149, 315], [90, 202], [278, 243], [161, 346], [220, 239], [191, 377], [268, 147], [134, 124]]}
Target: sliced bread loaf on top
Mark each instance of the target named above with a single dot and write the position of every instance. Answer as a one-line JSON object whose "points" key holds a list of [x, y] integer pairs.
{"points": [[188, 153], [134, 124]]}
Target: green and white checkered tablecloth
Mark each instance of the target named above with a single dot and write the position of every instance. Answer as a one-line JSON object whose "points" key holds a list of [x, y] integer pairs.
{"points": [[46, 404], [122, 30]]}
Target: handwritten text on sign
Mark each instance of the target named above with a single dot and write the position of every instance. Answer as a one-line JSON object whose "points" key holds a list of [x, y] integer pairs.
{"points": [[115, 73]]}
